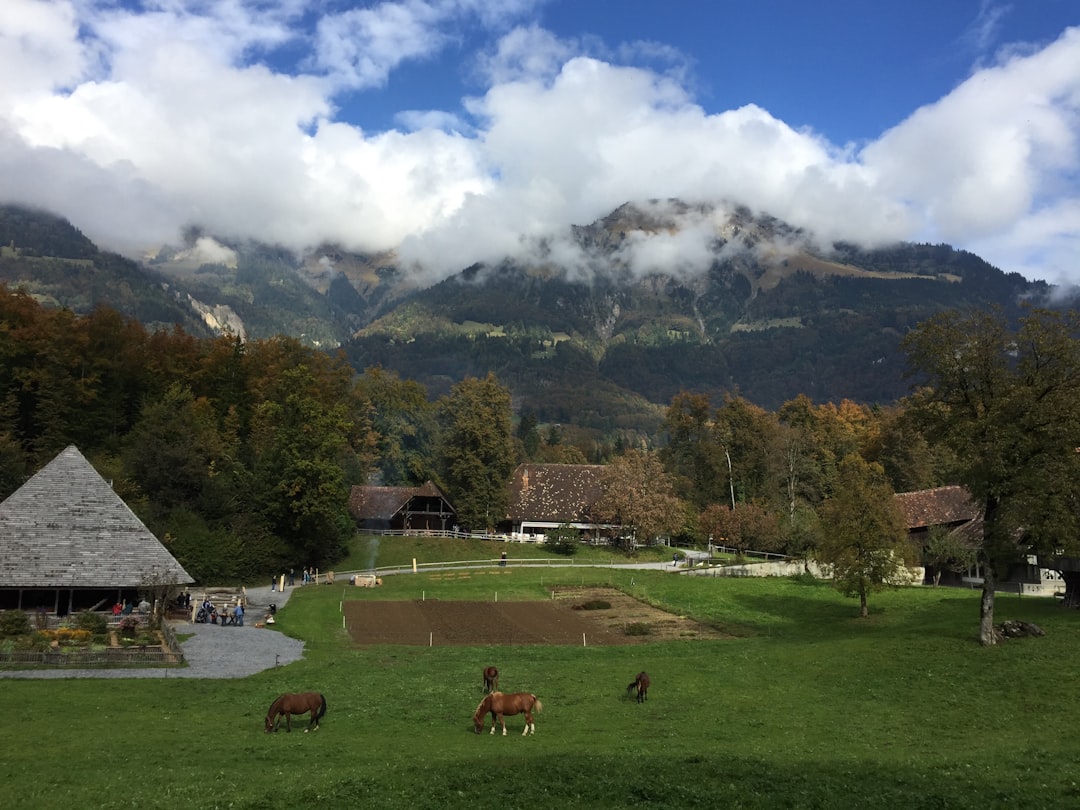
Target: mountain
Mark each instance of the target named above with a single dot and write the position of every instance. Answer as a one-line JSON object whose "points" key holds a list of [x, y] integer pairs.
{"points": [[48, 258], [770, 315], [595, 329]]}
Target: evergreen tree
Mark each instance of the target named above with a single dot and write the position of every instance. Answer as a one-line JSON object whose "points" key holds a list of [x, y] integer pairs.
{"points": [[476, 450]]}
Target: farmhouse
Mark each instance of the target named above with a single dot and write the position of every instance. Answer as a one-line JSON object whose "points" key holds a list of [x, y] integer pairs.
{"points": [[405, 509], [953, 509], [68, 542], [950, 508], [547, 496]]}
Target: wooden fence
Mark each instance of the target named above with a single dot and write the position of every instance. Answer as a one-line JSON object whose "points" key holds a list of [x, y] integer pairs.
{"points": [[88, 659], [170, 655]]}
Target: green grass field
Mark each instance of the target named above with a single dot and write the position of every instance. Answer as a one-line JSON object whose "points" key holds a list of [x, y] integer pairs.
{"points": [[805, 706]]}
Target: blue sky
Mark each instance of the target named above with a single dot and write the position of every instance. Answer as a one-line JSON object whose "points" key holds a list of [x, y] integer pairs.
{"points": [[454, 131]]}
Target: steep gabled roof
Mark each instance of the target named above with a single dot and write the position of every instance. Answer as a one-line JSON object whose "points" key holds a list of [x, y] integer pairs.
{"points": [[66, 528], [382, 503], [943, 506], [557, 493]]}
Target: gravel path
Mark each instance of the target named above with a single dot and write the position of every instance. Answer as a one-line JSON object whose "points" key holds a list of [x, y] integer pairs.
{"points": [[213, 651]]}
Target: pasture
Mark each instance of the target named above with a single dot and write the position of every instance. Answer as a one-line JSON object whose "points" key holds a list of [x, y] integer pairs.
{"points": [[801, 705]]}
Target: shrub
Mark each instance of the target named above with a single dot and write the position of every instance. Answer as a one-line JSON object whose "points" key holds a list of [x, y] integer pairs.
{"points": [[563, 540], [65, 635], [14, 623], [637, 629], [593, 604], [93, 622], [128, 626]]}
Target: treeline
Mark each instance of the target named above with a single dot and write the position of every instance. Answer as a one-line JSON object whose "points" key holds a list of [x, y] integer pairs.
{"points": [[756, 479], [238, 455]]}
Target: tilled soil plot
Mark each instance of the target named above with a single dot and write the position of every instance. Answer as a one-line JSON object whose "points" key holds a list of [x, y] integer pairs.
{"points": [[441, 623]]}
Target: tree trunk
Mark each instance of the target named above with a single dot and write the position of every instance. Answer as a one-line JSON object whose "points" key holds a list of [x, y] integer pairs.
{"points": [[986, 608], [990, 554], [863, 612]]}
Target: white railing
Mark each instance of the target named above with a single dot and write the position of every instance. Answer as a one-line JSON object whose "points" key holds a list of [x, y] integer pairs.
{"points": [[428, 567], [502, 537]]}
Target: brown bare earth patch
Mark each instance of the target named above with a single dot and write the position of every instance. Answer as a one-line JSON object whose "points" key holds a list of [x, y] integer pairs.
{"points": [[560, 620]]}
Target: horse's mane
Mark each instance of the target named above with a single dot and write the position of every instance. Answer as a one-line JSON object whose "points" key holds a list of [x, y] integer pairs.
{"points": [[482, 706]]}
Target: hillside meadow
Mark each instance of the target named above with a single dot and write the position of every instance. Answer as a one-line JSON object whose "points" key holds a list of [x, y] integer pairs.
{"points": [[805, 705]]}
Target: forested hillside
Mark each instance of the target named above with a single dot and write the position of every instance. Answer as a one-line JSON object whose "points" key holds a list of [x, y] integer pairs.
{"points": [[50, 259], [598, 349]]}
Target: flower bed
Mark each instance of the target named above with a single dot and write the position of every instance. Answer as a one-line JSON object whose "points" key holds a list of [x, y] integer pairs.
{"points": [[78, 644]]}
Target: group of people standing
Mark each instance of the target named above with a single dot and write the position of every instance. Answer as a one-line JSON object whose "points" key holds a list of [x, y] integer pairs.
{"points": [[307, 575]]}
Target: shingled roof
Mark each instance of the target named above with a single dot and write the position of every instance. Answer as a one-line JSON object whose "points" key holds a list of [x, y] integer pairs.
{"points": [[942, 506], [66, 528], [555, 493], [383, 503]]}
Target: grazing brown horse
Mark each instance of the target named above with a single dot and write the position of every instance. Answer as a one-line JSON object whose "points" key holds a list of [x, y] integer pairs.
{"points": [[491, 679], [499, 705], [641, 684], [290, 704]]}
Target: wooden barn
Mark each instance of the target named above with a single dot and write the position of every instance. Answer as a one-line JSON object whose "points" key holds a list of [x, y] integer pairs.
{"points": [[404, 509], [953, 509], [950, 508], [68, 542]]}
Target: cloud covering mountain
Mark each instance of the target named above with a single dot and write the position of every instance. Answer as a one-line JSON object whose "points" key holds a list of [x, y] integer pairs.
{"points": [[137, 119]]}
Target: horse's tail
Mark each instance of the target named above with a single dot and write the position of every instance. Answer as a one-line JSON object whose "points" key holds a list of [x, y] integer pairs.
{"points": [[537, 704], [322, 707]]}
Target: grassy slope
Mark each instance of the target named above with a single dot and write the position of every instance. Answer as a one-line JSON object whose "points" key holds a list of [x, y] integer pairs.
{"points": [[808, 707]]}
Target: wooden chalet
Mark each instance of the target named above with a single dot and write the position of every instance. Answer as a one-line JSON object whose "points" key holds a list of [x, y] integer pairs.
{"points": [[950, 508], [68, 542], [953, 509], [405, 509], [548, 496]]}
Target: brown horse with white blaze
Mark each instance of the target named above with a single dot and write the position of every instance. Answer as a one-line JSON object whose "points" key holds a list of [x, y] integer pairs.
{"points": [[491, 679], [641, 684], [296, 703], [500, 705]]}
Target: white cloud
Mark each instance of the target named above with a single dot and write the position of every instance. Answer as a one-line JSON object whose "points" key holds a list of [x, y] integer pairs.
{"points": [[991, 154], [38, 49], [135, 124]]}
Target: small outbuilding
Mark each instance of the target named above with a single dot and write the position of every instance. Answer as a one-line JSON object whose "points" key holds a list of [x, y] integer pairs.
{"points": [[405, 509], [68, 542]]}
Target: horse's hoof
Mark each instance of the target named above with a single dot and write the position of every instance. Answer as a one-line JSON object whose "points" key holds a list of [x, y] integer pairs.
{"points": [[306, 730]]}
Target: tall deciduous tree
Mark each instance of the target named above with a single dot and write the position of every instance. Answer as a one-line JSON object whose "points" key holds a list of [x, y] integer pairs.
{"points": [[403, 420], [748, 439], [299, 445], [1007, 401], [863, 539], [639, 497], [476, 450], [171, 449], [692, 452], [747, 526]]}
